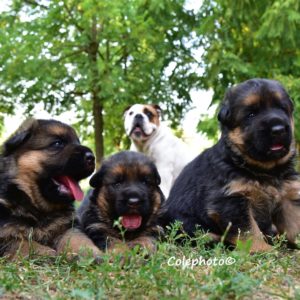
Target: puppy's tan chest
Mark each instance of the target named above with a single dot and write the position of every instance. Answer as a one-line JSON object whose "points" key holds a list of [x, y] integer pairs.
{"points": [[260, 194]]}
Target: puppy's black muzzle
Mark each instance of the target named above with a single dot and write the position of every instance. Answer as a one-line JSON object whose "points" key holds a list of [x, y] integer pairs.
{"points": [[81, 163], [133, 198], [276, 127]]}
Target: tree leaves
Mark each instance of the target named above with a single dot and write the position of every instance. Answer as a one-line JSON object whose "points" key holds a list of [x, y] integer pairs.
{"points": [[246, 39], [69, 53]]}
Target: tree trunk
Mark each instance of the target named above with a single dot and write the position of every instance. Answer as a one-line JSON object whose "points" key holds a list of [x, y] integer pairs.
{"points": [[98, 129], [92, 50]]}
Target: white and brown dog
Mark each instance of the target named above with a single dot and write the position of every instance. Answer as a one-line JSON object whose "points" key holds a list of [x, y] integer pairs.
{"points": [[151, 137]]}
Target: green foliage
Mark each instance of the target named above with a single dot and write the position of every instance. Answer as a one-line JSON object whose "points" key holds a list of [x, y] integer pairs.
{"points": [[68, 54], [246, 39]]}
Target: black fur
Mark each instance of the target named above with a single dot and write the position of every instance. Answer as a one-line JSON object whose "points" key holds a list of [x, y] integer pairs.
{"points": [[199, 196], [121, 177]]}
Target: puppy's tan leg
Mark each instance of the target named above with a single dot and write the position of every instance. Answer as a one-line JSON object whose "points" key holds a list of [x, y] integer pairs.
{"points": [[258, 241], [146, 242], [25, 248], [288, 219], [75, 243]]}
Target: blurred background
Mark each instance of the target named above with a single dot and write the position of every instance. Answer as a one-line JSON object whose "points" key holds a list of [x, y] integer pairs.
{"points": [[84, 61]]}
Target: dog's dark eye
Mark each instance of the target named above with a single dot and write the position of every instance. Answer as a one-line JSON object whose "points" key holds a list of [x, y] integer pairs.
{"points": [[149, 114], [57, 144], [130, 114], [145, 180], [251, 115], [116, 185]]}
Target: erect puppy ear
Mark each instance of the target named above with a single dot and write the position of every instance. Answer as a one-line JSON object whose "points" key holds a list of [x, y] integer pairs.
{"points": [[224, 114], [126, 110], [15, 142]]}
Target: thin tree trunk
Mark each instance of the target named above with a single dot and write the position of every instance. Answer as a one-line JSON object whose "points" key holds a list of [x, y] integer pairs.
{"points": [[98, 129], [96, 97]]}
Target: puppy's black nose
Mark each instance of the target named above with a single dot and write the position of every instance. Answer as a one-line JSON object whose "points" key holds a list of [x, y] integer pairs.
{"points": [[89, 158], [278, 130], [138, 117]]}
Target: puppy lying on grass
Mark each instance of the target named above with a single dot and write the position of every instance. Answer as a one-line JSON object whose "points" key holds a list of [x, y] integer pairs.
{"points": [[126, 190], [41, 165]]}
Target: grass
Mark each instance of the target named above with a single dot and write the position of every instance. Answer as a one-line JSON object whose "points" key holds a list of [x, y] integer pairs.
{"points": [[272, 275]]}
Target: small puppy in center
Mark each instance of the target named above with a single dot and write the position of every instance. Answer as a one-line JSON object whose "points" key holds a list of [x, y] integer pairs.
{"points": [[126, 189]]}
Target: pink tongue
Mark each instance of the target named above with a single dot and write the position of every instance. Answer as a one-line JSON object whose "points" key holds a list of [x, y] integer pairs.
{"points": [[137, 129], [276, 147], [131, 221], [72, 186]]}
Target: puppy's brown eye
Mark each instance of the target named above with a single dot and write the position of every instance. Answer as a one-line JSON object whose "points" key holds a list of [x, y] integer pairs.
{"points": [[116, 185], [145, 180], [57, 144]]}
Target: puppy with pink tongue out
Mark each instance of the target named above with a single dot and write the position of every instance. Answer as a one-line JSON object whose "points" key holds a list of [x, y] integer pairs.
{"points": [[124, 207]]}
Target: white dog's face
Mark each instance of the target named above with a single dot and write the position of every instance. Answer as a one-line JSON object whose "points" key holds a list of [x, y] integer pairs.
{"points": [[141, 121]]}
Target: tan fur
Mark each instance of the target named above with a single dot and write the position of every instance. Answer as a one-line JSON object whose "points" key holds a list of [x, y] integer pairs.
{"points": [[74, 242], [251, 99], [103, 207], [25, 248], [269, 197], [156, 118], [258, 242]]}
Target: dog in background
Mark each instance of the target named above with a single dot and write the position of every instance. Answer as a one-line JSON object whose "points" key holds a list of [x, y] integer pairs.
{"points": [[126, 188], [151, 137], [40, 167], [246, 183]]}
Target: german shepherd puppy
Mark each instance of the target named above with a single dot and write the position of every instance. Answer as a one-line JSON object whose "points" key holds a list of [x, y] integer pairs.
{"points": [[40, 167], [126, 189], [245, 184]]}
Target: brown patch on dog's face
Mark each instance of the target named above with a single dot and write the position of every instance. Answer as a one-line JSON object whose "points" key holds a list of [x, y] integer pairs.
{"points": [[127, 186], [257, 122], [49, 162], [152, 111]]}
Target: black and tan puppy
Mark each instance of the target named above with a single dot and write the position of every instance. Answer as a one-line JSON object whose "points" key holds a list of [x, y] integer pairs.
{"points": [[126, 189], [246, 182], [40, 167]]}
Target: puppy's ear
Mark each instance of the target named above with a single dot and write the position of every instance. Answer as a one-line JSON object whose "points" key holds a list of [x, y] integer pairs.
{"points": [[291, 103], [224, 114], [157, 176], [97, 179], [15, 142], [126, 110]]}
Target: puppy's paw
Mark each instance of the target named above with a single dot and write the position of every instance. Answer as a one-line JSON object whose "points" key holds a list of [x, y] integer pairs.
{"points": [[144, 242]]}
